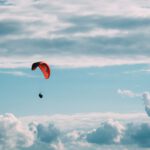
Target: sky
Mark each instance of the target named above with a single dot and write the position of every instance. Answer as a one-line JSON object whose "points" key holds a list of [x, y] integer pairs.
{"points": [[97, 97]]}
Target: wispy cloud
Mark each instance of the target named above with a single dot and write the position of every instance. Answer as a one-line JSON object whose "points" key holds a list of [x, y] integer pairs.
{"points": [[18, 73], [146, 70], [144, 96], [128, 93]]}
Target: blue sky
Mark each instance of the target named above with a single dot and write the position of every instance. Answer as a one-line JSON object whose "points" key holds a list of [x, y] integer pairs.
{"points": [[98, 94], [72, 90]]}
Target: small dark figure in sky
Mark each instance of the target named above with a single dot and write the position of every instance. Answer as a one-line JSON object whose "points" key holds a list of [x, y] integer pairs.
{"points": [[40, 95]]}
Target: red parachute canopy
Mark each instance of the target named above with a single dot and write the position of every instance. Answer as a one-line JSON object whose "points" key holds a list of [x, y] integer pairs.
{"points": [[43, 67]]}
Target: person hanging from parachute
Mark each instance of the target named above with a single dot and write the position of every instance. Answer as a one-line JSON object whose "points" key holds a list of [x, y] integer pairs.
{"points": [[40, 95], [44, 67]]}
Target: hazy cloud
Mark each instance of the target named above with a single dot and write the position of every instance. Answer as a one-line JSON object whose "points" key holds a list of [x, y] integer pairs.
{"points": [[8, 27], [18, 73], [127, 93], [62, 31]]}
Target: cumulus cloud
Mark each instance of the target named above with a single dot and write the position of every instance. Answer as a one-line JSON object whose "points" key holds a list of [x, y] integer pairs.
{"points": [[47, 136], [13, 134], [48, 132], [107, 133], [137, 134], [90, 131], [129, 134]]}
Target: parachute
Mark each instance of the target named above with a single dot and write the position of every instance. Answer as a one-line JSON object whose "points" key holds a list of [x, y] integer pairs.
{"points": [[44, 67]]}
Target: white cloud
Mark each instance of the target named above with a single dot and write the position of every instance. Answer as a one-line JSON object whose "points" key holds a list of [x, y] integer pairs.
{"points": [[47, 134], [84, 120], [98, 34], [13, 134], [58, 146], [145, 97], [127, 93], [101, 32], [18, 73], [69, 61], [133, 134], [109, 132], [80, 131], [101, 7]]}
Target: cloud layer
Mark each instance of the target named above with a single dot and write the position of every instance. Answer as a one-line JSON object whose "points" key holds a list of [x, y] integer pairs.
{"points": [[88, 132], [60, 32]]}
